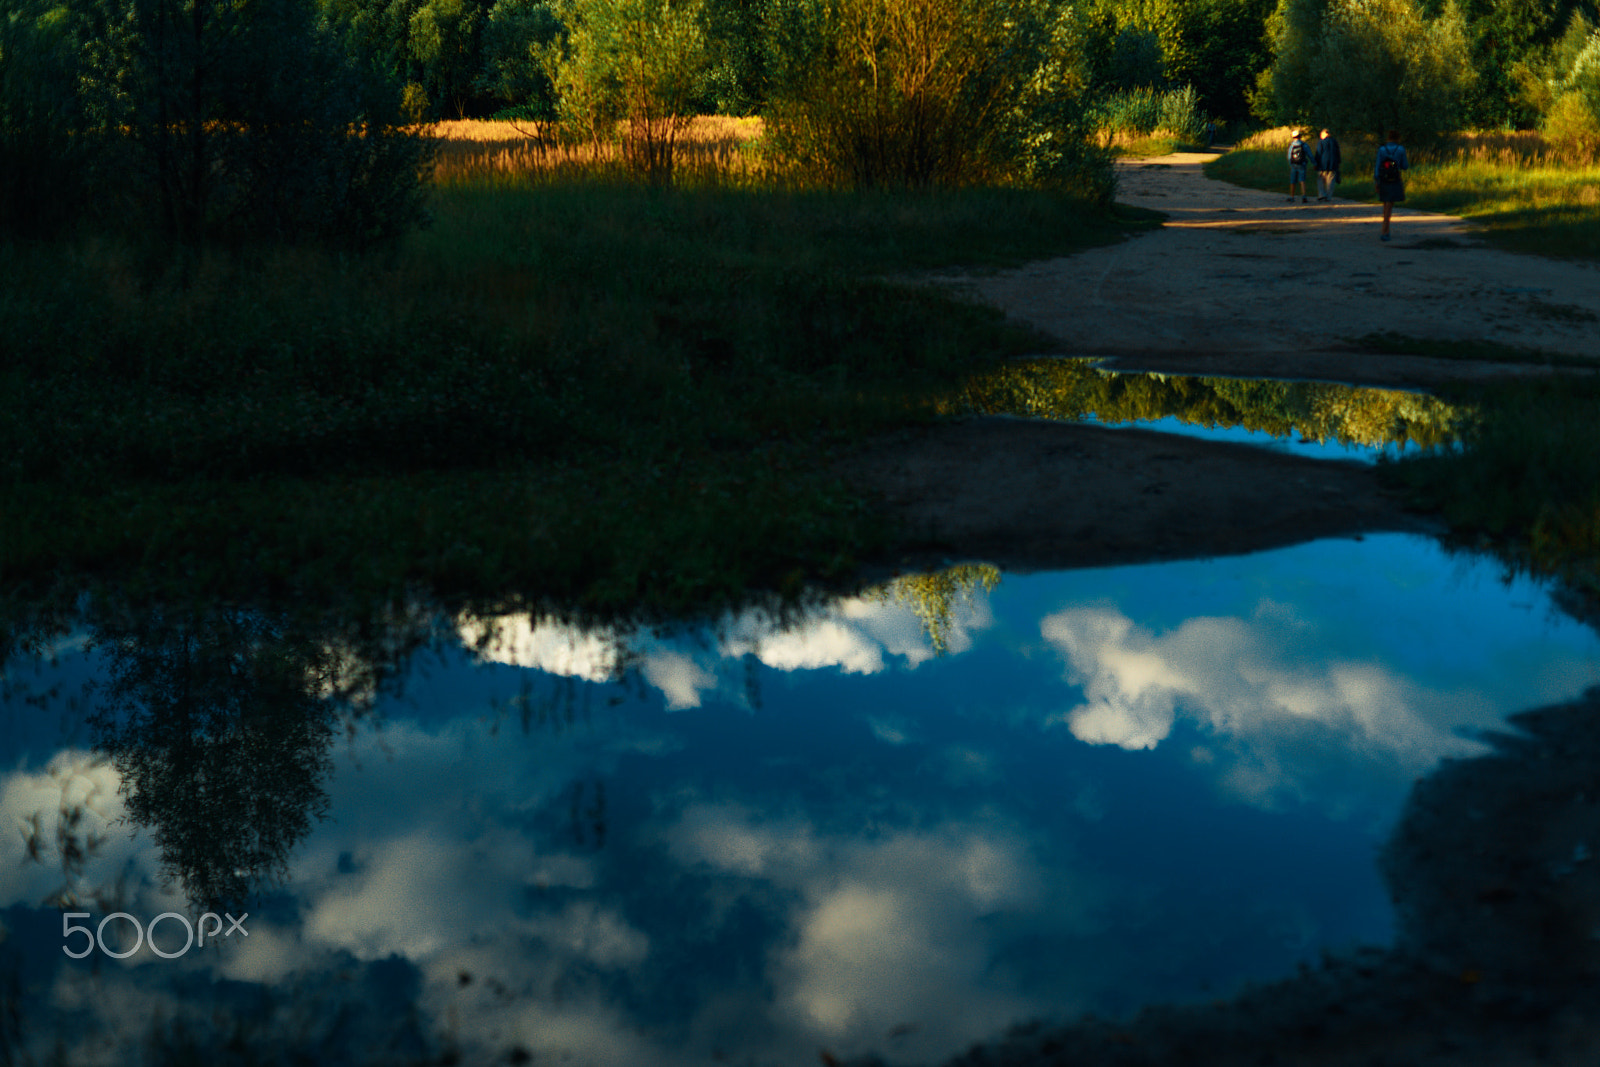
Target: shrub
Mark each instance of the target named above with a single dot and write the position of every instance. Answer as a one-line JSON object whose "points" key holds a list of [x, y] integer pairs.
{"points": [[635, 61], [203, 119], [1381, 65], [1572, 128], [916, 93], [44, 179]]}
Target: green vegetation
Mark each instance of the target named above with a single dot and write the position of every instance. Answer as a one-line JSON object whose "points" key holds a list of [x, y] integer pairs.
{"points": [[874, 93], [612, 396], [935, 597], [1526, 478], [1322, 411], [112, 113], [1373, 65], [1523, 197]]}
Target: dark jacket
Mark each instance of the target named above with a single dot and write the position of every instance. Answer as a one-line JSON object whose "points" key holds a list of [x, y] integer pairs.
{"points": [[1328, 154]]}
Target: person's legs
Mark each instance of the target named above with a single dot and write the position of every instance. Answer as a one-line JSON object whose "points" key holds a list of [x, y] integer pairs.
{"points": [[1388, 208], [1325, 184]]}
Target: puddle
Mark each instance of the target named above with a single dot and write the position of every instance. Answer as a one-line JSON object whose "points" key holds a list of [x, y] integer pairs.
{"points": [[1323, 420], [898, 823]]}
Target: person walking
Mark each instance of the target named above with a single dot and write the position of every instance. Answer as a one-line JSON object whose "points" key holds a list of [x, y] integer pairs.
{"points": [[1299, 156], [1328, 162], [1388, 174]]}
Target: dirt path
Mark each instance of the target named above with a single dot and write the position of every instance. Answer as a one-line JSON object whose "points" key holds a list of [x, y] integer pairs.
{"points": [[1237, 282], [1241, 278]]}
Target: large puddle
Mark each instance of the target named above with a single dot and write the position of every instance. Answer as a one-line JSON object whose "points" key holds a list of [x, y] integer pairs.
{"points": [[897, 823]]}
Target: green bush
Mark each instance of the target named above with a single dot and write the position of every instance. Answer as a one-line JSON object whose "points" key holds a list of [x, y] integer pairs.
{"points": [[1382, 65], [1572, 128], [44, 181], [640, 62], [917, 93], [201, 119], [1145, 111]]}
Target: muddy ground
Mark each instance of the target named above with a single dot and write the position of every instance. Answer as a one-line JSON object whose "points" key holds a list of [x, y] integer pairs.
{"points": [[1498, 959], [1238, 282]]}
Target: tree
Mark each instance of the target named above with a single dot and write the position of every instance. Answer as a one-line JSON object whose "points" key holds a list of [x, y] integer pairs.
{"points": [[633, 61], [1284, 90], [45, 176], [1221, 48], [220, 731], [218, 118], [1381, 65], [513, 36], [444, 41], [928, 92]]}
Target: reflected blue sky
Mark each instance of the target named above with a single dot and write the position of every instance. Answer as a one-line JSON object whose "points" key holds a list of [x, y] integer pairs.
{"points": [[1293, 445], [1118, 785]]}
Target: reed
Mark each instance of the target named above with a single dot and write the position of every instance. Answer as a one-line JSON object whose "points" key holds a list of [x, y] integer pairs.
{"points": [[716, 149]]}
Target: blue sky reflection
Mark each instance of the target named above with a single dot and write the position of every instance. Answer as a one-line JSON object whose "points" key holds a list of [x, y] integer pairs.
{"points": [[1117, 786]]}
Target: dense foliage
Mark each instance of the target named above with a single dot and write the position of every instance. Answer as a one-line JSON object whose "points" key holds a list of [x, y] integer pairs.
{"points": [[925, 92], [199, 119], [1429, 68]]}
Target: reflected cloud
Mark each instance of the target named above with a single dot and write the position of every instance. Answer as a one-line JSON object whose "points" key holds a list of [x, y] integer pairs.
{"points": [[854, 635], [1260, 681]]}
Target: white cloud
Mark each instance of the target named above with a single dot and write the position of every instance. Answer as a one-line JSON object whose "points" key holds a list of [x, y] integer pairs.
{"points": [[1259, 681], [561, 648]]}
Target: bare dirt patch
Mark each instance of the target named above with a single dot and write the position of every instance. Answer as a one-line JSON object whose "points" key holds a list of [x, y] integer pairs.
{"points": [[1236, 283]]}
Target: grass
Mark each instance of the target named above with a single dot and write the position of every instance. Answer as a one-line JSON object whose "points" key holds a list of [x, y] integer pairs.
{"points": [[1478, 351], [568, 388], [1521, 194], [1138, 146]]}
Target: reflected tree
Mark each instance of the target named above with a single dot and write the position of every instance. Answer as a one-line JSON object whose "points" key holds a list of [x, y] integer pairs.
{"points": [[1323, 411], [935, 597], [220, 725]]}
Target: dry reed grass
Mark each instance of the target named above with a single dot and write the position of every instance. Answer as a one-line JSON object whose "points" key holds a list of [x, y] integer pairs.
{"points": [[715, 148]]}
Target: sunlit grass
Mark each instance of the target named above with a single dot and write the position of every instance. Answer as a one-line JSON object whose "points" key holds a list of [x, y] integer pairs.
{"points": [[1512, 184], [714, 149]]}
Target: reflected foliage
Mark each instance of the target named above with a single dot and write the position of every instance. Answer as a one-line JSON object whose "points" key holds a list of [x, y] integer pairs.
{"points": [[219, 721], [221, 733], [1322, 411], [936, 597]]}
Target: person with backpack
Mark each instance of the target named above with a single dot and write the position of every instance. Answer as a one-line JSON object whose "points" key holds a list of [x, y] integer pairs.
{"points": [[1327, 166], [1298, 158], [1388, 175]]}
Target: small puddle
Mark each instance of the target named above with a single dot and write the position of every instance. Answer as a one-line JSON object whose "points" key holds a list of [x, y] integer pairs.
{"points": [[897, 823], [1324, 420]]}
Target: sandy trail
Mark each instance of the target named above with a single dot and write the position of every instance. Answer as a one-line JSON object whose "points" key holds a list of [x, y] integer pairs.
{"points": [[1237, 282], [1241, 281]]}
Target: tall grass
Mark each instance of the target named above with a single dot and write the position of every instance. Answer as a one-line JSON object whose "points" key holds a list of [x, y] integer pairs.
{"points": [[1515, 185], [715, 149]]}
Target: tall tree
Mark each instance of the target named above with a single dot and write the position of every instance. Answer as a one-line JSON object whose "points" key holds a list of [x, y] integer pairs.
{"points": [[1381, 65]]}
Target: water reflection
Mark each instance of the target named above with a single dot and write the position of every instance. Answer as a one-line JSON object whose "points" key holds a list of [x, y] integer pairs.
{"points": [[768, 837], [1317, 418]]}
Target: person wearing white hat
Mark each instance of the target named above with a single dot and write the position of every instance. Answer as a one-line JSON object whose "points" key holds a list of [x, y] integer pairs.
{"points": [[1299, 158]]}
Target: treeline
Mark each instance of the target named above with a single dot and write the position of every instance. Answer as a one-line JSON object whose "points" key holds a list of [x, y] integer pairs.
{"points": [[1324, 411], [1426, 68]]}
